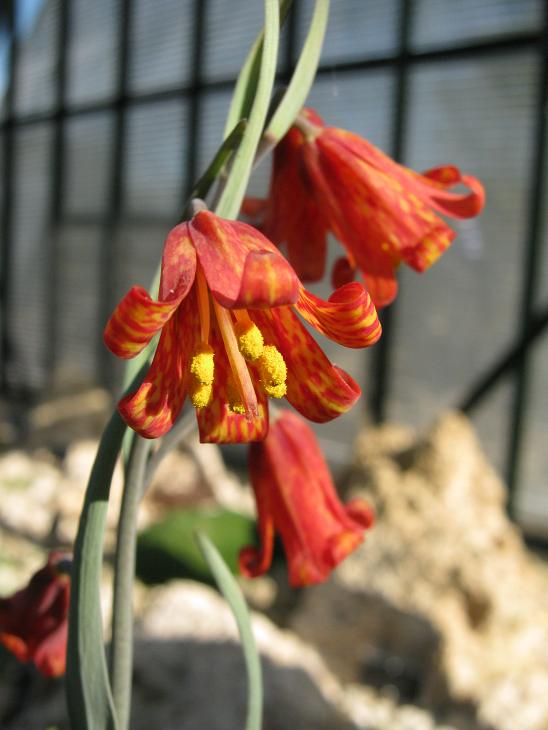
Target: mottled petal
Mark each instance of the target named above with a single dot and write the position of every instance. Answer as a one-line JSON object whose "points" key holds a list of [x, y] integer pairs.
{"points": [[296, 497], [242, 267], [456, 205], [137, 318], [154, 407], [256, 561], [431, 186], [378, 219], [348, 317], [316, 388], [50, 655], [216, 422]]}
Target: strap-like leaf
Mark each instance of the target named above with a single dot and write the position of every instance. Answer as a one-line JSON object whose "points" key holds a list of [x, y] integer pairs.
{"points": [[231, 591], [89, 695], [234, 191], [246, 85], [303, 77]]}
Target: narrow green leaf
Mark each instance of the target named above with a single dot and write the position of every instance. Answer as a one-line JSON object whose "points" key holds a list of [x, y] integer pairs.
{"points": [[234, 191], [89, 695], [303, 77], [229, 588], [222, 156], [246, 85]]}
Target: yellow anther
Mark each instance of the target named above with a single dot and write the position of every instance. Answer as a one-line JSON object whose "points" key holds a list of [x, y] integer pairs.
{"points": [[272, 368], [250, 340], [235, 403], [202, 366], [275, 391], [200, 394]]}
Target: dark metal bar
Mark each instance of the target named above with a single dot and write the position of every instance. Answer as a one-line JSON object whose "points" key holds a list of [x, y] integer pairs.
{"points": [[196, 89], [508, 44], [536, 198], [506, 364], [292, 27], [382, 361], [7, 200], [56, 200], [108, 258]]}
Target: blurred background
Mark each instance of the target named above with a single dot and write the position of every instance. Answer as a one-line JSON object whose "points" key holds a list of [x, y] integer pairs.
{"points": [[110, 110]]}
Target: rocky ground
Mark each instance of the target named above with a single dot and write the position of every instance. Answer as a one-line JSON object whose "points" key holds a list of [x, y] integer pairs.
{"points": [[439, 620]]}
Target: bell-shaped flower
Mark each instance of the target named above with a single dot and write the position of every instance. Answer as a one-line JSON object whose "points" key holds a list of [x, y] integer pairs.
{"points": [[33, 622], [327, 179], [231, 338], [296, 498]]}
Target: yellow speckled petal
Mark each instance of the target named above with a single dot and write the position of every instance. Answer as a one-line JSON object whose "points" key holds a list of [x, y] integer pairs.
{"points": [[348, 317]]}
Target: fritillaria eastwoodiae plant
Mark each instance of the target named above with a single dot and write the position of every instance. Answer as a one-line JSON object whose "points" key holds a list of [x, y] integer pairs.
{"points": [[221, 330]]}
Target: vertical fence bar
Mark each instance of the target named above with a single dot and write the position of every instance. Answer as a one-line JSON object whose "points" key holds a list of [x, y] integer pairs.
{"points": [[292, 27], [382, 353], [8, 185], [197, 57], [536, 198], [108, 263], [56, 200]]}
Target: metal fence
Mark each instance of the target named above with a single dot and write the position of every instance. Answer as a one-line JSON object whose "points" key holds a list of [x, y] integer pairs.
{"points": [[30, 357]]}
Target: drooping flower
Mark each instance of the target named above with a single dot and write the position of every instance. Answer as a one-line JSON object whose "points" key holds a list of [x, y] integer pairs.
{"points": [[231, 337], [296, 498], [33, 622], [327, 179]]}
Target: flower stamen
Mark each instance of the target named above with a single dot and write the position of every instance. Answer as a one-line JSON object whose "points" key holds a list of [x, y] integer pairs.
{"points": [[240, 373], [250, 338], [272, 372]]}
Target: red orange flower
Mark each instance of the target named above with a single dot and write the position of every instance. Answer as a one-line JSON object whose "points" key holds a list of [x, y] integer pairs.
{"points": [[231, 338], [33, 622], [296, 497], [327, 179]]}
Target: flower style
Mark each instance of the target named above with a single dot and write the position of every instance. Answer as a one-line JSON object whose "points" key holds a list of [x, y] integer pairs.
{"points": [[327, 179], [33, 622], [231, 338], [296, 496]]}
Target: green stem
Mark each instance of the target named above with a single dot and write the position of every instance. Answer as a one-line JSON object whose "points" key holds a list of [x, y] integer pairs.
{"points": [[89, 698], [121, 659], [182, 428]]}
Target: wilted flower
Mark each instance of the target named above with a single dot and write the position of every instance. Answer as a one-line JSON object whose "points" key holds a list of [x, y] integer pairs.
{"points": [[327, 179], [33, 622], [231, 337], [296, 497]]}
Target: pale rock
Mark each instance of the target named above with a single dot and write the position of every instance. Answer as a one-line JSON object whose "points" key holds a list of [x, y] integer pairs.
{"points": [[443, 603]]}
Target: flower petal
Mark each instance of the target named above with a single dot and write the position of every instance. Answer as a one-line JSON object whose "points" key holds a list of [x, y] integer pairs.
{"points": [[137, 318], [216, 422], [242, 267], [348, 317], [377, 217], [154, 407], [316, 388], [296, 496]]}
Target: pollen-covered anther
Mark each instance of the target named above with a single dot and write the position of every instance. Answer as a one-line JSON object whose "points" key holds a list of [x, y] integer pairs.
{"points": [[275, 391], [200, 393], [235, 403], [272, 372], [250, 340], [202, 366]]}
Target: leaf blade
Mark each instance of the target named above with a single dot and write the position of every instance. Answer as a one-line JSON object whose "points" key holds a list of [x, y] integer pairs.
{"points": [[303, 76], [229, 588]]}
